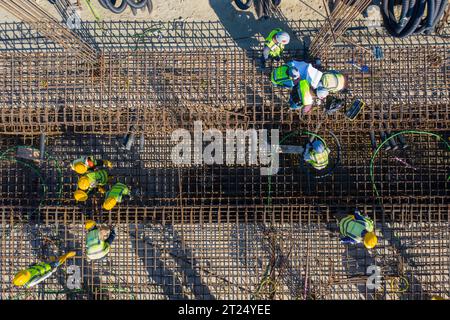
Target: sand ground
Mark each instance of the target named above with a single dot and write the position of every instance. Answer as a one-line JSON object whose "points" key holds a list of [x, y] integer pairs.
{"points": [[187, 10]]}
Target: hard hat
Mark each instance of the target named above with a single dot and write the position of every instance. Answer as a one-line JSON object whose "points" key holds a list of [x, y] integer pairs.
{"points": [[282, 37], [318, 146], [370, 240], [109, 203], [437, 298], [294, 73], [80, 168], [83, 183], [333, 81], [80, 195], [89, 224], [21, 278], [322, 93]]}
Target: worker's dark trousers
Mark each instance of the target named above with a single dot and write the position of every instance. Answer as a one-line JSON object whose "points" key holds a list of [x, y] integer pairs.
{"points": [[111, 236]]}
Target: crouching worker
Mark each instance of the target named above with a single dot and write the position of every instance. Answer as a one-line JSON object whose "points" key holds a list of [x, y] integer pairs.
{"points": [[356, 228], [316, 154], [85, 163], [274, 45], [38, 272], [98, 240], [115, 195], [89, 182]]}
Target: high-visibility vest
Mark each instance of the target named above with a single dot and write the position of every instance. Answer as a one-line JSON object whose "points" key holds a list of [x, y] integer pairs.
{"points": [[305, 93], [281, 77], [319, 160], [99, 177], [95, 247], [39, 272], [275, 48], [118, 191], [350, 227], [88, 161]]}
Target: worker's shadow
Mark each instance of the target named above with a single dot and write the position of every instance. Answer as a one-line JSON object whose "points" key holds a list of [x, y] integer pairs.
{"points": [[172, 280]]}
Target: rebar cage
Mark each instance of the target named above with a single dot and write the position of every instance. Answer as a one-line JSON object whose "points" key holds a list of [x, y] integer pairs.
{"points": [[222, 231]]}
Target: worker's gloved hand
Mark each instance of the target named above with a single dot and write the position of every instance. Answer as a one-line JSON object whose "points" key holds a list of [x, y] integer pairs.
{"points": [[101, 190], [108, 163], [277, 58]]}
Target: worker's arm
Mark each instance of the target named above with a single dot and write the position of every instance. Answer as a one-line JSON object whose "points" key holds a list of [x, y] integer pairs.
{"points": [[358, 215], [347, 240]]}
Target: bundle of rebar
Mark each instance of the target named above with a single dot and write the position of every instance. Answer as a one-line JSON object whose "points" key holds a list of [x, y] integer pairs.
{"points": [[336, 24], [31, 13]]}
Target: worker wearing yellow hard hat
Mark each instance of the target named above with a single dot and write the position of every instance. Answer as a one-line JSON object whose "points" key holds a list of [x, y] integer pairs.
{"points": [[85, 163], [115, 195], [98, 240], [38, 272], [357, 228]]}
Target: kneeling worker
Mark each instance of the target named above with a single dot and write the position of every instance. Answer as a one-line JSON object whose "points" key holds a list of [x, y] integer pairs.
{"points": [[285, 76], [274, 45], [356, 228], [89, 181], [98, 240]]}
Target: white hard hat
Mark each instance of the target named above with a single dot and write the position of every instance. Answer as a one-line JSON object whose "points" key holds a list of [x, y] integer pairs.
{"points": [[322, 92], [282, 37], [294, 73]]}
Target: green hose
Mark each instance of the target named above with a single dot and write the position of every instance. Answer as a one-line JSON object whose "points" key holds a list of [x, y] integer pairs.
{"points": [[372, 176]]}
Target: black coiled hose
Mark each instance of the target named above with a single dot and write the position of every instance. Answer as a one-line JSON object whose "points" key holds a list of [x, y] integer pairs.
{"points": [[413, 19]]}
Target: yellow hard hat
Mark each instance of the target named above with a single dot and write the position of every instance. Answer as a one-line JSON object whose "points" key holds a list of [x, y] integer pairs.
{"points": [[80, 195], [80, 168], [89, 224], [83, 183], [370, 240], [109, 203], [21, 278], [437, 298], [333, 81]]}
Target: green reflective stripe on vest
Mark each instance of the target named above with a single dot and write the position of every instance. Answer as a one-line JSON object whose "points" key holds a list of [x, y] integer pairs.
{"points": [[95, 248], [98, 177], [305, 93], [280, 74], [117, 191], [275, 48], [352, 228]]}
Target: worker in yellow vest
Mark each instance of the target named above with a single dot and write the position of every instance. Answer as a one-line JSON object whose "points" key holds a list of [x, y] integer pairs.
{"points": [[38, 272], [274, 45], [356, 228], [98, 240], [89, 182], [285, 76], [115, 195], [85, 163]]}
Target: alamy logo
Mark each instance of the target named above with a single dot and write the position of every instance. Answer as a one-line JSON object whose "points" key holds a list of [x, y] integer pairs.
{"points": [[243, 147], [374, 280]]}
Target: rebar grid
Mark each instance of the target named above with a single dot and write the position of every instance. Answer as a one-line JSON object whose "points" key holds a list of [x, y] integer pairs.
{"points": [[230, 260], [50, 92]]}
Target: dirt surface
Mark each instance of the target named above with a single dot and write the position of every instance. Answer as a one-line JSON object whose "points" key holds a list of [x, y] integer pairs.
{"points": [[187, 10]]}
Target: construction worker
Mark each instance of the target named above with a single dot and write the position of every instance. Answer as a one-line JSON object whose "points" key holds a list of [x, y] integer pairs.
{"points": [[316, 154], [85, 163], [38, 272], [285, 76], [356, 228], [115, 195], [98, 240], [314, 86], [274, 45]]}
